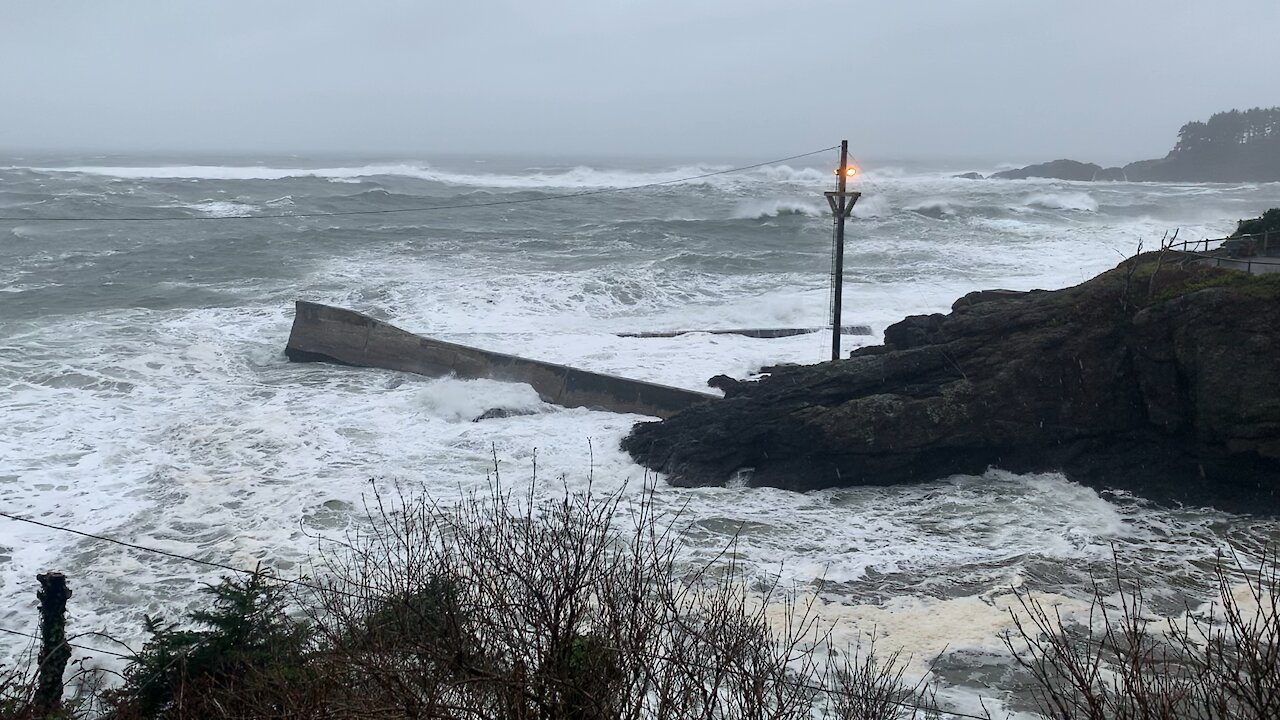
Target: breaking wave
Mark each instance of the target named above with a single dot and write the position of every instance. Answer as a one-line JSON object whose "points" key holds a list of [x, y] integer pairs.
{"points": [[762, 209], [580, 177], [933, 207], [1062, 201], [872, 206]]}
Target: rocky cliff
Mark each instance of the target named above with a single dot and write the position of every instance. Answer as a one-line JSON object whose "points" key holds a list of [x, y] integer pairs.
{"points": [[1155, 378], [1233, 146]]}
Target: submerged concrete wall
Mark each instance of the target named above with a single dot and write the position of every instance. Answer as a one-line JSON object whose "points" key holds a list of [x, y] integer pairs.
{"points": [[322, 333], [761, 333]]}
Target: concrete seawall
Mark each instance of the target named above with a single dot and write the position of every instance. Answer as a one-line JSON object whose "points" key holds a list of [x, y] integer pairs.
{"points": [[322, 333]]}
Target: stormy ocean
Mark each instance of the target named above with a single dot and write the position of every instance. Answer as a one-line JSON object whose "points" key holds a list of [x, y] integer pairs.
{"points": [[145, 396]]}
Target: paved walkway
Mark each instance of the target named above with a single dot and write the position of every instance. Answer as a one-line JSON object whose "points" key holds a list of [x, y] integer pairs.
{"points": [[1256, 265]]}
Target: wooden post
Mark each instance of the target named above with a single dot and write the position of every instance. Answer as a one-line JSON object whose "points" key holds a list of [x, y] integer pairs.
{"points": [[841, 203], [54, 650]]}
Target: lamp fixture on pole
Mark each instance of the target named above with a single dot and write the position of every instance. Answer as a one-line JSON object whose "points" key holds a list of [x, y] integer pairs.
{"points": [[841, 202]]}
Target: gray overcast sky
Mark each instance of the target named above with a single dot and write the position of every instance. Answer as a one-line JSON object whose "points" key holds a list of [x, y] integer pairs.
{"points": [[1004, 79]]}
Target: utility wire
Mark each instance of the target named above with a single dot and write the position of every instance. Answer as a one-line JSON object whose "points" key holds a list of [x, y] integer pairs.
{"points": [[69, 644], [428, 208], [177, 556], [222, 566]]}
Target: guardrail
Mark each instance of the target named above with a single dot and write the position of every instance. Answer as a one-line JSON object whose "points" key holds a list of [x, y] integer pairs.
{"points": [[1236, 246]]}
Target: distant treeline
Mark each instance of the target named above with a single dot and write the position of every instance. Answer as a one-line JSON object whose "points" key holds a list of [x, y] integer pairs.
{"points": [[1257, 127], [1232, 146]]}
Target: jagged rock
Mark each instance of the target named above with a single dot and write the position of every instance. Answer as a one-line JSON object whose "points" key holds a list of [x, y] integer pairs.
{"points": [[981, 296], [1175, 399], [725, 383], [970, 176], [1056, 170], [496, 413]]}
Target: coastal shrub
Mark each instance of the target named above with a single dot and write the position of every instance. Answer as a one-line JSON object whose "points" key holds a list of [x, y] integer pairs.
{"points": [[1144, 280], [82, 698], [243, 657], [1222, 661], [584, 607], [16, 693], [573, 608], [871, 686], [1262, 287], [1269, 221], [579, 607]]}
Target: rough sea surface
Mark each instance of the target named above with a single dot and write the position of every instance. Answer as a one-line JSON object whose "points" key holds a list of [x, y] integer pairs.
{"points": [[145, 396]]}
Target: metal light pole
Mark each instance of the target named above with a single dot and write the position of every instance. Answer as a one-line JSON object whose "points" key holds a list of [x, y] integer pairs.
{"points": [[841, 202]]}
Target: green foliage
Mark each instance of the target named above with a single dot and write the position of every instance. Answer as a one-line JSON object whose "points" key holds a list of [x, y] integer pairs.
{"points": [[427, 615], [1257, 126], [243, 642], [1269, 221], [1231, 146], [1262, 287]]}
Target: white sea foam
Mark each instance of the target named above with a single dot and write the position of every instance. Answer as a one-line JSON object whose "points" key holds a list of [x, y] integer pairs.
{"points": [[223, 208], [459, 401]]}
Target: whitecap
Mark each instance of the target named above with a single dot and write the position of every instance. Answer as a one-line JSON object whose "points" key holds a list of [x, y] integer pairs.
{"points": [[761, 209], [1062, 201], [933, 207], [222, 208]]}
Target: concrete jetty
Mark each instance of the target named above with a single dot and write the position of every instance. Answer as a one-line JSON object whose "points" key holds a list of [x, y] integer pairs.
{"points": [[322, 333]]}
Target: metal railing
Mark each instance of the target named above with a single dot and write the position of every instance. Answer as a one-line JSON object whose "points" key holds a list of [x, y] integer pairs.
{"points": [[1236, 246]]}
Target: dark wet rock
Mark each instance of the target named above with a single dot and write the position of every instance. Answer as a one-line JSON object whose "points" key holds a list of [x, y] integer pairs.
{"points": [[1056, 170], [1112, 174], [497, 413], [970, 176], [1169, 389], [981, 296], [726, 384]]}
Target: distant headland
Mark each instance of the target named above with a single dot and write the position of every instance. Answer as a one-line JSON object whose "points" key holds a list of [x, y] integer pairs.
{"points": [[1233, 146]]}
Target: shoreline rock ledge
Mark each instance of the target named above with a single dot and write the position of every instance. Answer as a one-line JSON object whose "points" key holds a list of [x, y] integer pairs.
{"points": [[1154, 378]]}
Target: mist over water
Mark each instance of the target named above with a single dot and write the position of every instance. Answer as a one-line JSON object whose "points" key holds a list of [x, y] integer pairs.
{"points": [[145, 393]]}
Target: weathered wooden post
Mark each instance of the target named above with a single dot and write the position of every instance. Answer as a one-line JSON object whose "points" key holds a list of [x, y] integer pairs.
{"points": [[54, 650], [841, 203]]}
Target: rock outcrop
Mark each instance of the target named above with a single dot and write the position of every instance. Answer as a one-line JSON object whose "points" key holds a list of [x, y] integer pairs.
{"points": [[1231, 146], [1058, 170], [1168, 388]]}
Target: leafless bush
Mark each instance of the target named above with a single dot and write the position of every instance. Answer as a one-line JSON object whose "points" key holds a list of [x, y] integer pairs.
{"points": [[509, 607], [18, 690], [871, 686], [1224, 663]]}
